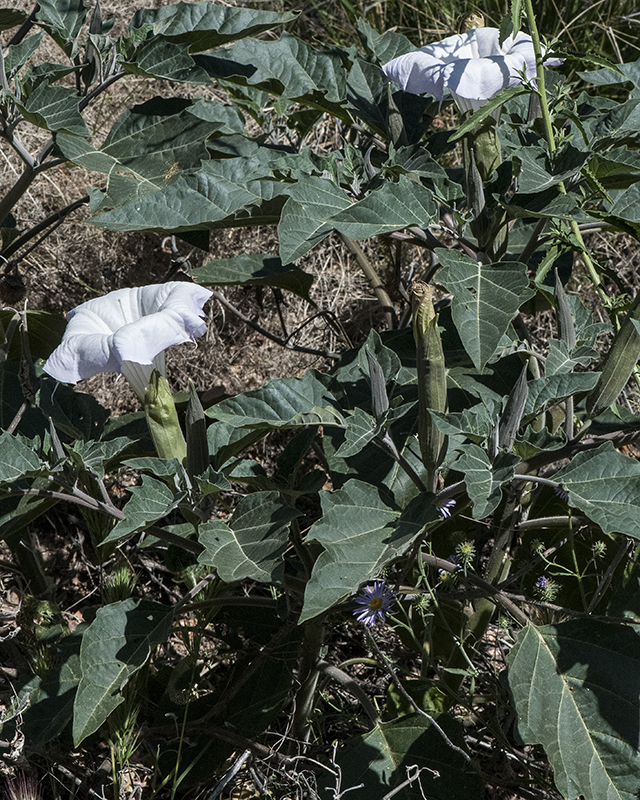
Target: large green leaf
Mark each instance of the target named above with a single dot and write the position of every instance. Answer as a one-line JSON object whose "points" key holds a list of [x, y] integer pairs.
{"points": [[537, 174], [52, 697], [148, 503], [159, 58], [486, 297], [63, 20], [544, 392], [377, 763], [361, 532], [117, 643], [259, 270], [281, 403], [576, 689], [288, 67], [193, 200], [304, 221], [391, 208], [17, 458], [252, 543], [627, 204], [206, 25], [54, 108], [605, 485], [384, 46], [484, 480]]}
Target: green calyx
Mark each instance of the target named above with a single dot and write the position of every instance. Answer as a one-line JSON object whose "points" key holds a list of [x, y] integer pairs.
{"points": [[162, 419]]}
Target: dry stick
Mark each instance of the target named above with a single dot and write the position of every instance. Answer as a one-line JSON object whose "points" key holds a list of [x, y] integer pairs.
{"points": [[388, 666], [372, 276], [608, 576], [572, 612], [499, 596], [351, 685], [282, 342]]}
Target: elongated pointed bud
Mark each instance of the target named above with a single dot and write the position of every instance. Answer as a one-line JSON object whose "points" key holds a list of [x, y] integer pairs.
{"points": [[566, 327], [379, 398], [162, 419], [432, 379], [513, 411], [618, 364], [196, 428], [395, 123]]}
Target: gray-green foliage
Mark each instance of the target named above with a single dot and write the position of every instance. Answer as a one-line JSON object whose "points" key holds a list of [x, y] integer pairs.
{"points": [[280, 549]]}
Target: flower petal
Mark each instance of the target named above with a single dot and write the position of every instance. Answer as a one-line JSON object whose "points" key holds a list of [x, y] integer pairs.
{"points": [[133, 325], [417, 73]]}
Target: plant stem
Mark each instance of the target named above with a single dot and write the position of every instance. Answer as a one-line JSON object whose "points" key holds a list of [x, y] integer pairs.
{"points": [[372, 276], [308, 674]]}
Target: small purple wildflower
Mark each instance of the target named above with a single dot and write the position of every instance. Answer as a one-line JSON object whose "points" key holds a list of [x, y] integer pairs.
{"points": [[375, 601], [542, 583], [560, 492], [445, 506]]}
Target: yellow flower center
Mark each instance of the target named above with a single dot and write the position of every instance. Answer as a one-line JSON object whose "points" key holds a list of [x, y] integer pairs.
{"points": [[376, 603]]}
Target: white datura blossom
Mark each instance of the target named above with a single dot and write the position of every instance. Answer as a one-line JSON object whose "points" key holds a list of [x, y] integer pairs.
{"points": [[128, 331], [473, 66]]}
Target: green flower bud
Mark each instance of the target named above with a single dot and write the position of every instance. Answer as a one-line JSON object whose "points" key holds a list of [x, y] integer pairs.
{"points": [[432, 379]]}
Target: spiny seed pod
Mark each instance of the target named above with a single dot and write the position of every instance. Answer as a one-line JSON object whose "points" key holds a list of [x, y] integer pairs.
{"points": [[432, 379], [618, 364]]}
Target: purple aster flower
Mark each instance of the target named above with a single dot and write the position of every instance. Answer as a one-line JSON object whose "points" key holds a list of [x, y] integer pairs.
{"points": [[445, 506], [374, 601], [560, 492]]}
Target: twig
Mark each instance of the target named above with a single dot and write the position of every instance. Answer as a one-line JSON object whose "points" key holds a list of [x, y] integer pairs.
{"points": [[386, 663], [500, 597], [351, 685], [374, 279], [282, 342]]}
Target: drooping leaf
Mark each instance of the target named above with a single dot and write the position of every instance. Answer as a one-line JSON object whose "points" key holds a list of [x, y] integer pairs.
{"points": [[379, 762], [117, 643], [252, 543], [51, 698], [148, 503], [576, 691], [54, 108], [484, 480], [259, 270], [605, 486], [281, 403], [11, 18], [206, 25], [288, 67], [486, 297], [78, 414]]}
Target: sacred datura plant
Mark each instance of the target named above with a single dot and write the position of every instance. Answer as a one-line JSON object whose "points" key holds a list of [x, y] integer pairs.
{"points": [[410, 571]]}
